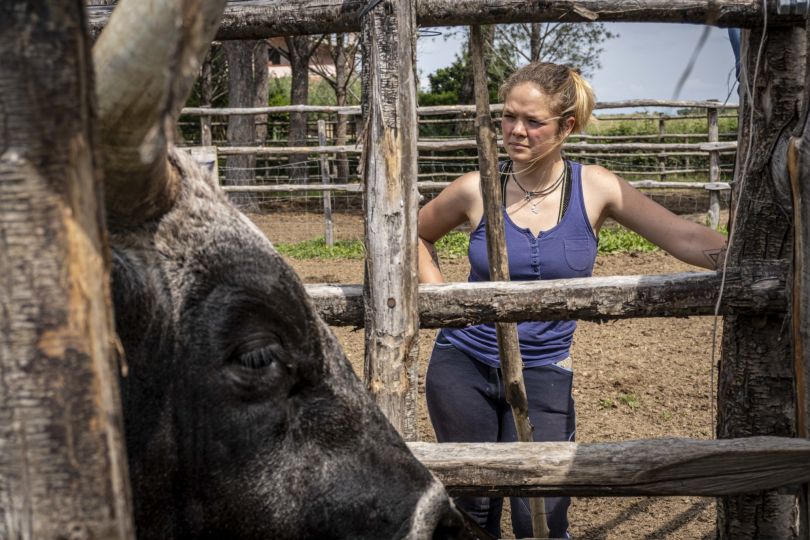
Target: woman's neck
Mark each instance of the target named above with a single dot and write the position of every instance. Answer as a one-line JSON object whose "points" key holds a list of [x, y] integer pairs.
{"points": [[540, 174]]}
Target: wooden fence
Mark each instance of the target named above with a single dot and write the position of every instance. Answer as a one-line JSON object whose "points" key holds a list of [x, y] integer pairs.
{"points": [[763, 382]]}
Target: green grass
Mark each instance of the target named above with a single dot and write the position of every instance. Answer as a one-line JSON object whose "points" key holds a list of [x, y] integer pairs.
{"points": [[621, 240], [317, 249], [452, 246]]}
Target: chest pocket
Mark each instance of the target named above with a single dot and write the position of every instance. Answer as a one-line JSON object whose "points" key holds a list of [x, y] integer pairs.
{"points": [[579, 253]]}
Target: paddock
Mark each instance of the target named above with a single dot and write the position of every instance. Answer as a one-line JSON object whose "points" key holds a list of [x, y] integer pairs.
{"points": [[762, 379]]}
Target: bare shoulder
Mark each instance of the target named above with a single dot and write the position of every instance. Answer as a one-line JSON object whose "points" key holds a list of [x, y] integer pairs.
{"points": [[597, 176]]}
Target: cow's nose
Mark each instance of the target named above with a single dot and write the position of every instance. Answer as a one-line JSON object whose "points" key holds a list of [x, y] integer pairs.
{"points": [[457, 524]]}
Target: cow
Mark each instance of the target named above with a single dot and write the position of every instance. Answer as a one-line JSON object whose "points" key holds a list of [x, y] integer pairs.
{"points": [[242, 416]]}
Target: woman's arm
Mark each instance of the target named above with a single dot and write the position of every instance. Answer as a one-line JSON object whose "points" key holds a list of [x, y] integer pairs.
{"points": [[686, 240], [446, 211]]}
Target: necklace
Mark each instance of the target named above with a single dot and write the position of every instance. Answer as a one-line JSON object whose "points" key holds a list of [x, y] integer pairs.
{"points": [[535, 197]]}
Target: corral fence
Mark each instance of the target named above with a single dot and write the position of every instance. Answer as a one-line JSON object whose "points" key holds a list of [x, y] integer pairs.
{"points": [[686, 170], [764, 377]]}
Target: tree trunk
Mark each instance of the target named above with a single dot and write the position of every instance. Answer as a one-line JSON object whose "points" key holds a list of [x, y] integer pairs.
{"points": [[63, 468], [389, 171], [300, 50], [756, 393], [247, 87], [341, 129], [534, 41]]}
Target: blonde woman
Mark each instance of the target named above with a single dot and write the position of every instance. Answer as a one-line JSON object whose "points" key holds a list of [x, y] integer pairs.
{"points": [[553, 209]]}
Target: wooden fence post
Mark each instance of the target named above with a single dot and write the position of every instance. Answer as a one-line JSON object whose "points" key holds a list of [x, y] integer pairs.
{"points": [[508, 345], [390, 173], [327, 195], [662, 161], [756, 384], [63, 470], [714, 168], [207, 91]]}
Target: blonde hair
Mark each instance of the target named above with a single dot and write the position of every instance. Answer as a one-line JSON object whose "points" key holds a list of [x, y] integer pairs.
{"points": [[570, 94]]}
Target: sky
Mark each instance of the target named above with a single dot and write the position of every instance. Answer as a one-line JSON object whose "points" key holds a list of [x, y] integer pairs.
{"points": [[645, 61]]}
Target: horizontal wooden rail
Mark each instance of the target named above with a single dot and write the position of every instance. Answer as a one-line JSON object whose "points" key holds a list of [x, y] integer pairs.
{"points": [[656, 467], [757, 288], [261, 19], [434, 110], [358, 187], [463, 144]]}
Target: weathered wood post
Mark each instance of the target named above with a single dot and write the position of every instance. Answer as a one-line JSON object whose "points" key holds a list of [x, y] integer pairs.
{"points": [[63, 470], [662, 160], [508, 346], [714, 168], [207, 95], [756, 385], [327, 195], [389, 171]]}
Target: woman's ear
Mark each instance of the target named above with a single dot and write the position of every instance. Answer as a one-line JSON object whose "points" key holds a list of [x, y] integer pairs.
{"points": [[570, 121]]}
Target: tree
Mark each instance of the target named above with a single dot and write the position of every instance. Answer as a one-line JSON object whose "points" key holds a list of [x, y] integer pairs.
{"points": [[299, 51], [578, 45], [344, 50], [247, 87]]}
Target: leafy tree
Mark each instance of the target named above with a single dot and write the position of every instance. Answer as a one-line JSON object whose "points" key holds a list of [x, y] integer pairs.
{"points": [[508, 46]]}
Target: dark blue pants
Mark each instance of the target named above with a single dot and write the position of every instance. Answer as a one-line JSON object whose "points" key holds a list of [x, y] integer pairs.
{"points": [[466, 403]]}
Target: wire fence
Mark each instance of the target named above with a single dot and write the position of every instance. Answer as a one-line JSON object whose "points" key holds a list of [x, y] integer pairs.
{"points": [[297, 193]]}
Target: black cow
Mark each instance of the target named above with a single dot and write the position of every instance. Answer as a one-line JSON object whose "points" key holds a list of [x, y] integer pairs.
{"points": [[243, 418]]}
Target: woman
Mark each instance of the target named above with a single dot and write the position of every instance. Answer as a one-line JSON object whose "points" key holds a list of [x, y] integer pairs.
{"points": [[553, 209]]}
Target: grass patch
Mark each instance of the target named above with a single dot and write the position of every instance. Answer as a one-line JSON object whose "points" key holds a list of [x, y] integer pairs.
{"points": [[317, 249], [621, 240], [454, 245]]}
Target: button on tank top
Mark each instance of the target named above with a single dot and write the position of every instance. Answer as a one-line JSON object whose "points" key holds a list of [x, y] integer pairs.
{"points": [[567, 250]]}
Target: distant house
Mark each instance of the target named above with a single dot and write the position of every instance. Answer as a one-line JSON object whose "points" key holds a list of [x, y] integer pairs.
{"points": [[278, 65]]}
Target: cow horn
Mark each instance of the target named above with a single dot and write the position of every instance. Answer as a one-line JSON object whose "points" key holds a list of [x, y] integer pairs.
{"points": [[146, 60]]}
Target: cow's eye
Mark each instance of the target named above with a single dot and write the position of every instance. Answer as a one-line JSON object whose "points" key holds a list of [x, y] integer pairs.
{"points": [[259, 358]]}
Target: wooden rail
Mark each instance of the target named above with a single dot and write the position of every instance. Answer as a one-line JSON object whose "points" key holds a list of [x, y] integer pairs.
{"points": [[260, 19], [430, 185], [656, 467], [757, 288], [465, 144]]}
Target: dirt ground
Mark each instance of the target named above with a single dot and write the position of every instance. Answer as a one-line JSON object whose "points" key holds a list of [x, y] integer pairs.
{"points": [[634, 379]]}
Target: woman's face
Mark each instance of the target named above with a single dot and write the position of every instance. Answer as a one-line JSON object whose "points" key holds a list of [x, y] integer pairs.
{"points": [[530, 128]]}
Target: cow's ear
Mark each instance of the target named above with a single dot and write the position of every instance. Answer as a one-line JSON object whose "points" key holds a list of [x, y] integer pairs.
{"points": [[146, 60]]}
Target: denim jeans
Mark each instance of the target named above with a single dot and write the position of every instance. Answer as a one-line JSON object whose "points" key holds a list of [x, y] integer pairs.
{"points": [[466, 403]]}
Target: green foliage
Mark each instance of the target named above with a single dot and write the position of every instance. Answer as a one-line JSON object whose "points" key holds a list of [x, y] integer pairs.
{"points": [[606, 403], [630, 400], [279, 91], [618, 240], [317, 249], [453, 245]]}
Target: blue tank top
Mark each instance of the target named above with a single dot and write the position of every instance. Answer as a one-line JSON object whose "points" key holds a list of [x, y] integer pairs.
{"points": [[567, 250]]}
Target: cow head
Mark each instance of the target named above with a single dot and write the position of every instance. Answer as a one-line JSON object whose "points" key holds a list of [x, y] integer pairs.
{"points": [[243, 418]]}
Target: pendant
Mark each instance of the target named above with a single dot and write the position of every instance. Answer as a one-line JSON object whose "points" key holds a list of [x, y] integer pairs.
{"points": [[534, 209]]}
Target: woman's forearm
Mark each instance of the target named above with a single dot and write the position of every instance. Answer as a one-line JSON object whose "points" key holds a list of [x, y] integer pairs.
{"points": [[428, 263]]}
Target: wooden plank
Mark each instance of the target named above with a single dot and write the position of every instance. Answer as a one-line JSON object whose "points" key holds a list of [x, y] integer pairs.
{"points": [[391, 203], [434, 110], [327, 196], [798, 163], [756, 388], [290, 188], [498, 259], [757, 288], [63, 469], [468, 144], [261, 19], [656, 467]]}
